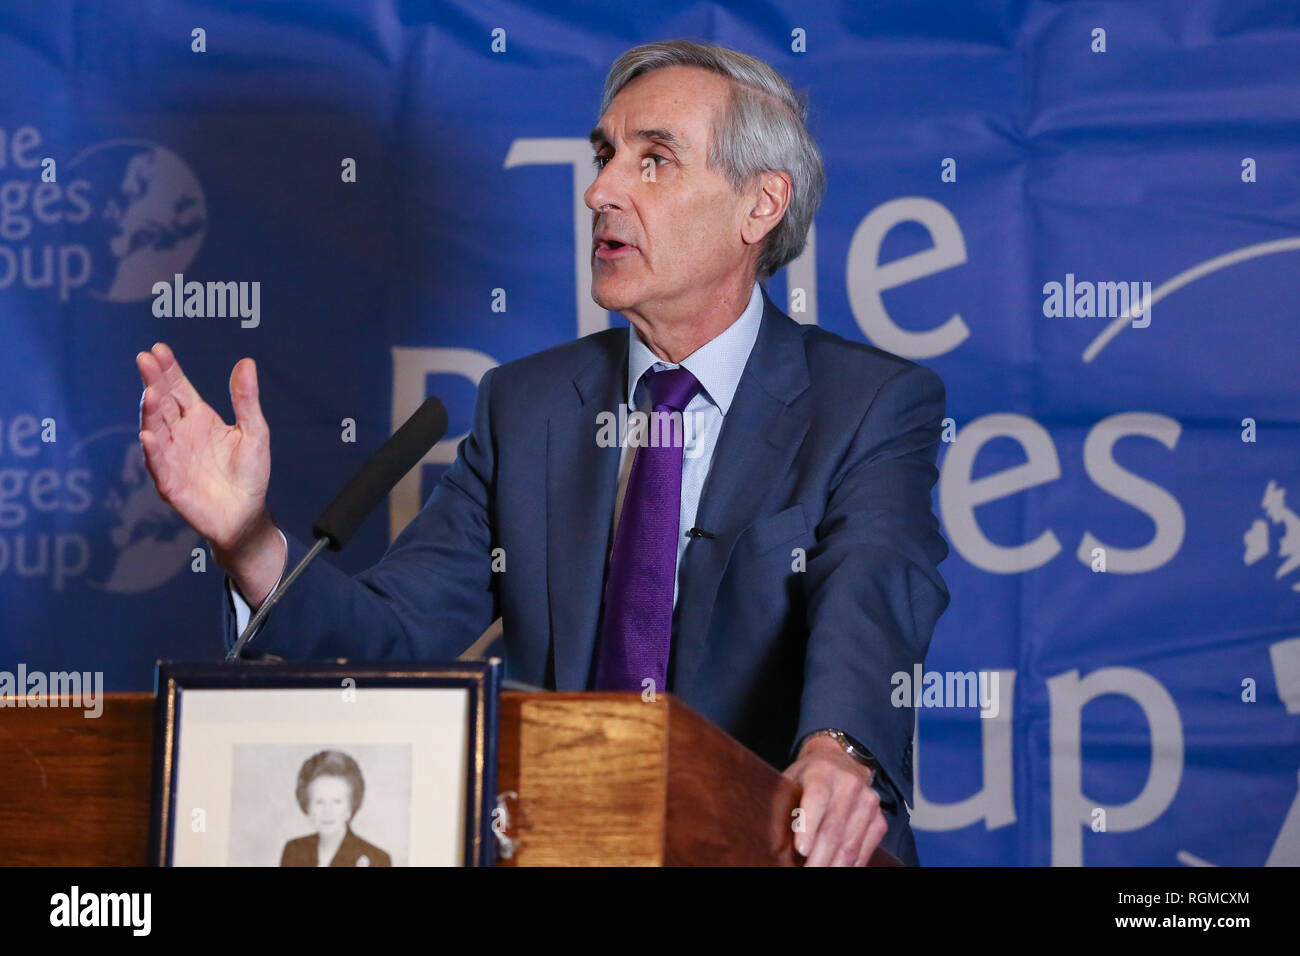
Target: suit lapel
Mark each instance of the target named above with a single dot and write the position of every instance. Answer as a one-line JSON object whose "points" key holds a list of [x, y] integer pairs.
{"points": [[760, 435], [581, 485]]}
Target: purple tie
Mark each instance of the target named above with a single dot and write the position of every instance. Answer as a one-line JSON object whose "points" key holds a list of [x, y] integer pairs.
{"points": [[637, 622]]}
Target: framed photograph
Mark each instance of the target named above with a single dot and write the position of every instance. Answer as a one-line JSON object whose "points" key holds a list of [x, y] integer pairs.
{"points": [[325, 764]]}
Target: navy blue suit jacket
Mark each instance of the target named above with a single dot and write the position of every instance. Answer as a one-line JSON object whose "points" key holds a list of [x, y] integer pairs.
{"points": [[829, 447]]}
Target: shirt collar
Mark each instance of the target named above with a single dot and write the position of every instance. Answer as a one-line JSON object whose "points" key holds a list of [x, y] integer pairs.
{"points": [[717, 364]]}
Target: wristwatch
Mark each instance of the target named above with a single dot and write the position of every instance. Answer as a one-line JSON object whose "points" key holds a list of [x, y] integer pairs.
{"points": [[879, 781], [850, 746]]}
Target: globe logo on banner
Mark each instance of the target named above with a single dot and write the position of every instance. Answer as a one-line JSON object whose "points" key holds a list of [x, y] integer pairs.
{"points": [[117, 217], [134, 540], [149, 216], [1257, 539]]}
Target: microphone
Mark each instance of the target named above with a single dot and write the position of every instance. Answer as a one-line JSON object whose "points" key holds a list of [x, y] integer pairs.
{"points": [[358, 498], [377, 477]]}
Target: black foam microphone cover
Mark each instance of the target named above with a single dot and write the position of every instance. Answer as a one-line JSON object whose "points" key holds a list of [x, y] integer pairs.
{"points": [[377, 477]]}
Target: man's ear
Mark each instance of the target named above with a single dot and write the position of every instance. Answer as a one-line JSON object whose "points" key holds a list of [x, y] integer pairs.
{"points": [[771, 198]]}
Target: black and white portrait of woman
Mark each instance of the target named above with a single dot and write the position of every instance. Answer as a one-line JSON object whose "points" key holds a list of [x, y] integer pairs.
{"points": [[330, 791], [320, 803]]}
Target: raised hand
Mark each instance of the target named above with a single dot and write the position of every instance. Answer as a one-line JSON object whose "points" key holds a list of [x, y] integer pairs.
{"points": [[215, 475]]}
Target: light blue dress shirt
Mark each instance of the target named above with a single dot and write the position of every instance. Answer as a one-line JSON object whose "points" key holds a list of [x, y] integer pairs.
{"points": [[717, 366]]}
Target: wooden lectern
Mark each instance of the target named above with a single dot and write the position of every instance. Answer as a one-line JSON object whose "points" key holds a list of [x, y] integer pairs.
{"points": [[590, 779]]}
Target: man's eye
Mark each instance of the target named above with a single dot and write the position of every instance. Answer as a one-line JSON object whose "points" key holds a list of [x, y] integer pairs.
{"points": [[600, 161]]}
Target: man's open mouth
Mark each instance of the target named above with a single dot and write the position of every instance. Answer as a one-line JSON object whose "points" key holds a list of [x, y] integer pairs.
{"points": [[613, 249]]}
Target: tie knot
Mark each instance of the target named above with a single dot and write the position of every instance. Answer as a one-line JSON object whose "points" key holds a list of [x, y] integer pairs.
{"points": [[672, 388]]}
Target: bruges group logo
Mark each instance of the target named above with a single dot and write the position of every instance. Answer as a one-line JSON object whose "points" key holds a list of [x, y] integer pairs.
{"points": [[101, 226], [111, 221]]}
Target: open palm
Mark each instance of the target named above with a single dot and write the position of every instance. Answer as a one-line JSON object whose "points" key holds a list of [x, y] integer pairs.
{"points": [[215, 475]]}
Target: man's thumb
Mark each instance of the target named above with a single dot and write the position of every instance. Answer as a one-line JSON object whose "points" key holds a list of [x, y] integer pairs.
{"points": [[243, 396]]}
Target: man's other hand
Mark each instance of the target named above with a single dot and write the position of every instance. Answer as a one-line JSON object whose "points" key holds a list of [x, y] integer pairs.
{"points": [[842, 820]]}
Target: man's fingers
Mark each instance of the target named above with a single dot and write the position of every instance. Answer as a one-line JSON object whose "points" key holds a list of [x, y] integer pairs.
{"points": [[154, 459], [812, 806], [152, 377], [159, 412], [875, 833], [179, 386], [856, 832], [856, 828], [147, 363], [244, 398], [169, 410], [151, 415], [832, 829]]}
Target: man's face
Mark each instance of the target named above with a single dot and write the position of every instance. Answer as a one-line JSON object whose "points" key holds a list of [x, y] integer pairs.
{"points": [[680, 221]]}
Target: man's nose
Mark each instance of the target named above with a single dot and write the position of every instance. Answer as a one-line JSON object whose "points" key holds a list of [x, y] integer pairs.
{"points": [[609, 189], [598, 193]]}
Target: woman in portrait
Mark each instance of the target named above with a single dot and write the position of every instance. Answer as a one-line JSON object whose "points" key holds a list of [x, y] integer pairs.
{"points": [[329, 792]]}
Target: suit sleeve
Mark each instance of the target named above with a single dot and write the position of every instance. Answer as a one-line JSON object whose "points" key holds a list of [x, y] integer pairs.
{"points": [[429, 597], [872, 585]]}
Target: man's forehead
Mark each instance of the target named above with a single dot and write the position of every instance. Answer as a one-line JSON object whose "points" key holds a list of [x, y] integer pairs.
{"points": [[674, 106], [667, 135]]}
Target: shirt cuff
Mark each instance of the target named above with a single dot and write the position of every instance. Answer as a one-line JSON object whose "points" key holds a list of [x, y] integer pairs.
{"points": [[242, 611]]}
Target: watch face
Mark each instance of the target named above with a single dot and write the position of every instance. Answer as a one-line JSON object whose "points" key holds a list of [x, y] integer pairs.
{"points": [[851, 747], [854, 749]]}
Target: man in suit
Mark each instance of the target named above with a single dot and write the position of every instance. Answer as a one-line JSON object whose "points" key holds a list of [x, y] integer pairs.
{"points": [[774, 566]]}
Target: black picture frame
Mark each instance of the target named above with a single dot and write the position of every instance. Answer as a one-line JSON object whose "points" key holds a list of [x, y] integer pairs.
{"points": [[481, 679]]}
